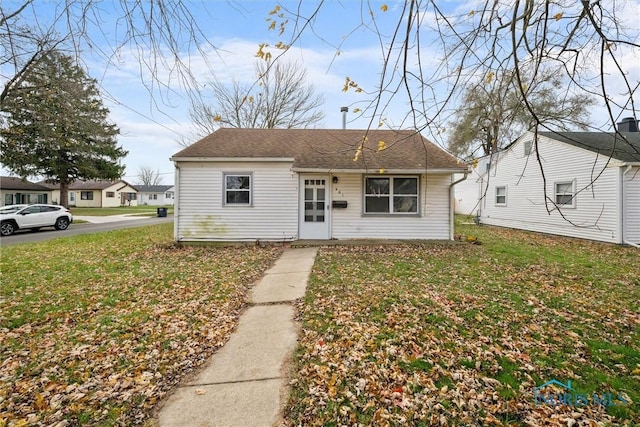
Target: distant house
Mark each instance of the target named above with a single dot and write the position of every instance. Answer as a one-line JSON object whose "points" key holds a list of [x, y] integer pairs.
{"points": [[156, 195], [97, 194], [590, 188], [15, 191], [288, 184]]}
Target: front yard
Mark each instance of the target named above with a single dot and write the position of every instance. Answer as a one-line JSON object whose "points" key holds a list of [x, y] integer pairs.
{"points": [[463, 335], [96, 329]]}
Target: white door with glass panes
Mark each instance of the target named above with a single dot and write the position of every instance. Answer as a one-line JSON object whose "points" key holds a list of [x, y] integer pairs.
{"points": [[314, 207]]}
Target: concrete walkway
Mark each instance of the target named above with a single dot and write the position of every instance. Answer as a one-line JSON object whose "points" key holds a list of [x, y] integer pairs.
{"points": [[244, 383]]}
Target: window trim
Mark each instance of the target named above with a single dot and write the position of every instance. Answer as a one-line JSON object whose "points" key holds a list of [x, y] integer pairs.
{"points": [[505, 195], [571, 205], [391, 196], [225, 189]]}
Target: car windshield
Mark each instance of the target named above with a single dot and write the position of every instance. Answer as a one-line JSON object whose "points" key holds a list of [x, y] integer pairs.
{"points": [[11, 209]]}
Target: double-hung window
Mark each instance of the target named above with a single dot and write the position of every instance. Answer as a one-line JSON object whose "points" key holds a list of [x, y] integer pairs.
{"points": [[501, 196], [86, 195], [564, 194], [391, 195], [237, 189]]}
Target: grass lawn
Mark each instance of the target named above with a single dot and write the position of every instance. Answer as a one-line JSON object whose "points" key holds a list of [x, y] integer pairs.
{"points": [[95, 329], [463, 334], [121, 210]]}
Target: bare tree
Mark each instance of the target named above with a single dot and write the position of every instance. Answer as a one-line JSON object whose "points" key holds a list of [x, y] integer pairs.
{"points": [[493, 113], [149, 176], [160, 34], [280, 98]]}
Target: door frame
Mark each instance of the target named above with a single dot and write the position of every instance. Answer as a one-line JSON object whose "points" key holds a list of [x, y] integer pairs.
{"points": [[318, 233]]}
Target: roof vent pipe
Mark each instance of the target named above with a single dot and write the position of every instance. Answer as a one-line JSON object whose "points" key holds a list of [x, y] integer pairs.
{"points": [[344, 111], [628, 124]]}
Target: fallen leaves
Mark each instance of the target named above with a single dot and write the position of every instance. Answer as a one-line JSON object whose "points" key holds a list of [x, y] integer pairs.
{"points": [[98, 329], [462, 334]]}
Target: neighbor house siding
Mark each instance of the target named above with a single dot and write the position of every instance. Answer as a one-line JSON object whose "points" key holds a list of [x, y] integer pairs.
{"points": [[595, 215], [273, 214], [432, 222], [632, 205]]}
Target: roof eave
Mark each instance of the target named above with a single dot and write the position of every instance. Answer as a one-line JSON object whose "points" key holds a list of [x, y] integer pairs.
{"points": [[385, 171], [232, 159]]}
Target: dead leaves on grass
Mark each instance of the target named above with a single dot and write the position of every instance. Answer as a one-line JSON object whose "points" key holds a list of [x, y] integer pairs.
{"points": [[98, 339], [451, 335]]}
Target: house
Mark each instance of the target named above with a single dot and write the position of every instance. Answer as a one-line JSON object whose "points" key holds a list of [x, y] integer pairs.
{"points": [[467, 192], [97, 194], [15, 191], [578, 184], [288, 184], [156, 195]]}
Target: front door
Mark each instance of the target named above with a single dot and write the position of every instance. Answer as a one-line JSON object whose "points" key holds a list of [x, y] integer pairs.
{"points": [[314, 207]]}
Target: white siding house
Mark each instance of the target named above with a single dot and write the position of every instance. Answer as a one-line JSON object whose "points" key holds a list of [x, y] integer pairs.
{"points": [[577, 184], [290, 184], [156, 195]]}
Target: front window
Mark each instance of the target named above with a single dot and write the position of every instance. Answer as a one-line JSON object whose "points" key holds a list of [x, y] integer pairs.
{"points": [[564, 194], [391, 195], [86, 195], [237, 189], [111, 194]]}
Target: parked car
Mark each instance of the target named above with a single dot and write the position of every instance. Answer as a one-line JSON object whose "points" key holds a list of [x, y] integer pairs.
{"points": [[34, 217]]}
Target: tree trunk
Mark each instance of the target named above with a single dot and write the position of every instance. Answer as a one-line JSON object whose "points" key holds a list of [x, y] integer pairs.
{"points": [[64, 194]]}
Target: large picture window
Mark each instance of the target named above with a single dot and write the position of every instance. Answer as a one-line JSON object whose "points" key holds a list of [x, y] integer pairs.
{"points": [[86, 195], [237, 189], [391, 195]]}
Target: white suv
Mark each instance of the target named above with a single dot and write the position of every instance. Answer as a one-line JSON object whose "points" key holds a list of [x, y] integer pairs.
{"points": [[18, 217]]}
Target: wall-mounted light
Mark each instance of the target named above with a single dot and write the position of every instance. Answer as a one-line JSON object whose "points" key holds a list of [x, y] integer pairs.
{"points": [[334, 180]]}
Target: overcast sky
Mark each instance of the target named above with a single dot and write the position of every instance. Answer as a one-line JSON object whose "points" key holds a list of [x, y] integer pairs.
{"points": [[153, 121]]}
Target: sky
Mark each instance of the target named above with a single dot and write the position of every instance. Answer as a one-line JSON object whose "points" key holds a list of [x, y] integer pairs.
{"points": [[154, 119]]}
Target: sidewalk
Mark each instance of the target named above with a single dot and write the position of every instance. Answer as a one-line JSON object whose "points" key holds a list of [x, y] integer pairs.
{"points": [[108, 218], [243, 384]]}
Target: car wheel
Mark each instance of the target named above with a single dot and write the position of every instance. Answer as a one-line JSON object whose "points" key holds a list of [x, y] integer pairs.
{"points": [[7, 228], [62, 223]]}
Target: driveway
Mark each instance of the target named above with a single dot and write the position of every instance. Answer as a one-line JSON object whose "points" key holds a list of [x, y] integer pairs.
{"points": [[93, 225]]}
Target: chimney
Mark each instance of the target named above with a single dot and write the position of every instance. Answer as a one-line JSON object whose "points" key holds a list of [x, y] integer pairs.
{"points": [[628, 124], [344, 111]]}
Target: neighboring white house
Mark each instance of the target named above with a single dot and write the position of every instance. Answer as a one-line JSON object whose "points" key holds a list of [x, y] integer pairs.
{"points": [[97, 194], [15, 191], [578, 184], [468, 193], [288, 184], [156, 195]]}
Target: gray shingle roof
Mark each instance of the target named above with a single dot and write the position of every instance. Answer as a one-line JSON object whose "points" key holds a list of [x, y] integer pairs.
{"points": [[13, 183], [326, 149], [625, 147], [153, 188]]}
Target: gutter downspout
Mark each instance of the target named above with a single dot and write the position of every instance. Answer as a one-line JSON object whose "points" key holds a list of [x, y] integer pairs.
{"points": [[176, 202], [451, 203], [622, 210]]}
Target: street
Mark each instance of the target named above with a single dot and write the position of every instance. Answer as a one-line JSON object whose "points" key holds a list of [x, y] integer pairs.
{"points": [[75, 229]]}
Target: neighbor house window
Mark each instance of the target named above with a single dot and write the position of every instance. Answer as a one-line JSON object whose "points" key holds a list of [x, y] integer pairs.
{"points": [[527, 147], [501, 196], [111, 194], [86, 195], [391, 195], [564, 194], [237, 189]]}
